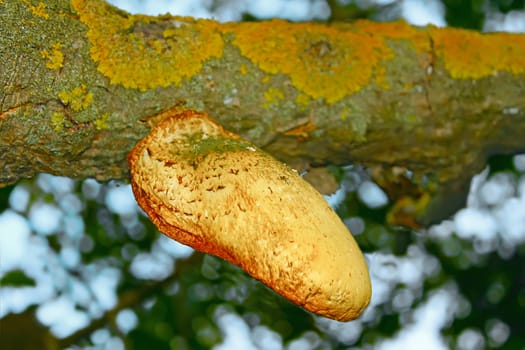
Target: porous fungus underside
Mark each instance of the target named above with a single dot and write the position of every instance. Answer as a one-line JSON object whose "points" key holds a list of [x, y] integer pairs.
{"points": [[264, 217], [322, 61]]}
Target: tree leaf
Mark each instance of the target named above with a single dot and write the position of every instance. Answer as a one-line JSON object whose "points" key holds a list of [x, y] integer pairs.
{"points": [[17, 278]]}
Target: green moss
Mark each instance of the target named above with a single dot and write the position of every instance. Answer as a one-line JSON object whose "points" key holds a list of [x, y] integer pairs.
{"points": [[201, 147], [412, 119], [360, 126]]}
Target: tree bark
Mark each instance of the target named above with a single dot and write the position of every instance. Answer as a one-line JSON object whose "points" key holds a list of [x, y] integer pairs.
{"points": [[81, 81]]}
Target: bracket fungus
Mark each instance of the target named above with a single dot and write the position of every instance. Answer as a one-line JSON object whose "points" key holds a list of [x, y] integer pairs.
{"points": [[208, 188]]}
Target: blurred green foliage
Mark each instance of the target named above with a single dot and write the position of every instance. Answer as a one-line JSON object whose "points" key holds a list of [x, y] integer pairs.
{"points": [[468, 14], [16, 278]]}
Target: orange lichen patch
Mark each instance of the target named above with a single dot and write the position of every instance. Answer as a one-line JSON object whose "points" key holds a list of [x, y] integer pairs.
{"points": [[77, 99], [321, 61], [398, 30], [471, 55], [147, 52], [39, 10], [54, 57]]}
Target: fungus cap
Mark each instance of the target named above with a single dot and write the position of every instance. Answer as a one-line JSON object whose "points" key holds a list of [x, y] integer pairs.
{"points": [[208, 188]]}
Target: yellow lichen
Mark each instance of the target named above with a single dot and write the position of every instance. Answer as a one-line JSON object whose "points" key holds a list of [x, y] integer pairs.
{"points": [[412, 119], [266, 79], [302, 100], [77, 99], [321, 61], [272, 96], [54, 57], [344, 114], [39, 10], [380, 75], [399, 30], [57, 119], [102, 122], [471, 55], [243, 69], [147, 52]]}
